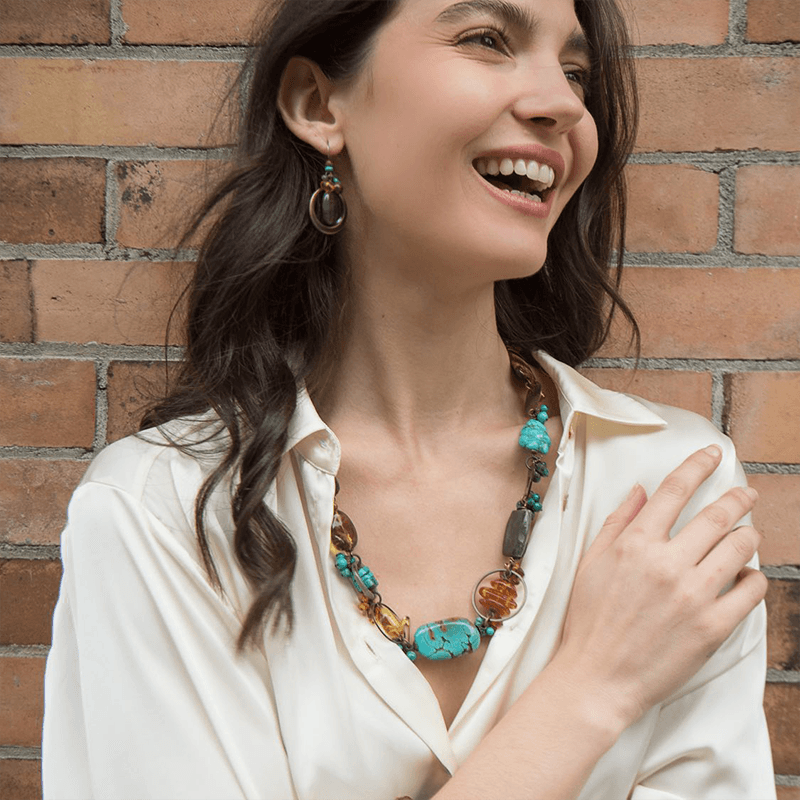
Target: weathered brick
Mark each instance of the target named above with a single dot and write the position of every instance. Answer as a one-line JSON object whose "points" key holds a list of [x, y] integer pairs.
{"points": [[156, 200], [113, 302], [768, 209], [777, 516], [719, 103], [691, 390], [21, 779], [132, 387], [783, 628], [659, 216], [782, 706], [763, 416], [51, 200], [788, 792], [49, 22], [189, 21], [125, 102], [47, 403], [16, 315], [712, 313], [33, 498], [677, 21], [28, 593], [773, 21], [21, 700]]}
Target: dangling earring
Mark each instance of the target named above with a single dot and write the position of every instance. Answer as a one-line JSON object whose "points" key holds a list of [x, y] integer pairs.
{"points": [[327, 208]]}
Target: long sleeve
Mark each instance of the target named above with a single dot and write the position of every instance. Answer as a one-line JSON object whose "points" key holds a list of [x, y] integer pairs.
{"points": [[145, 696]]}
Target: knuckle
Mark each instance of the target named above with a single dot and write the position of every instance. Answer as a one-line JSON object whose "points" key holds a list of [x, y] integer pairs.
{"points": [[717, 516], [674, 487], [744, 545]]}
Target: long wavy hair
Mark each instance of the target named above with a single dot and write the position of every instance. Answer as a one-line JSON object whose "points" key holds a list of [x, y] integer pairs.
{"points": [[267, 288]]}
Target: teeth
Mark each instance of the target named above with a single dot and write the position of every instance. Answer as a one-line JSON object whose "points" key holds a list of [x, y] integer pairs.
{"points": [[542, 174]]}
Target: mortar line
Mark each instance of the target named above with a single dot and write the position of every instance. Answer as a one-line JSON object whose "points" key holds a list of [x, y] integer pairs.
{"points": [[101, 404], [111, 216], [718, 399], [117, 23]]}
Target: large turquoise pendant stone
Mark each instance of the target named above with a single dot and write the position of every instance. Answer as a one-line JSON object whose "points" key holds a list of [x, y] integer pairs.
{"points": [[534, 436], [446, 638]]}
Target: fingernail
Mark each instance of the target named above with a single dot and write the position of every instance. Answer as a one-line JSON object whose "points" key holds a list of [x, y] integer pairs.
{"points": [[633, 491], [751, 493], [713, 451]]}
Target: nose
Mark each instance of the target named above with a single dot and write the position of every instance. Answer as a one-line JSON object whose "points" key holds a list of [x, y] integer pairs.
{"points": [[548, 98]]}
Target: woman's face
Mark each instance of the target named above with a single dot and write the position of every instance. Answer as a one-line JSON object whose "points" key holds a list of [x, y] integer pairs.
{"points": [[454, 96]]}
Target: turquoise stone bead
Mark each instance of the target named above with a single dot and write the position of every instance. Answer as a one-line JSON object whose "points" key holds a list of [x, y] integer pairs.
{"points": [[446, 638], [534, 436]]}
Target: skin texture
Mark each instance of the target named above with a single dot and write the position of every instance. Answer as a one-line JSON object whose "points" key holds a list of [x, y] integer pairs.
{"points": [[423, 403]]}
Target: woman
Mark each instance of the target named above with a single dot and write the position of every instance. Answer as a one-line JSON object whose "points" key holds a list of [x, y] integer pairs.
{"points": [[478, 146]]}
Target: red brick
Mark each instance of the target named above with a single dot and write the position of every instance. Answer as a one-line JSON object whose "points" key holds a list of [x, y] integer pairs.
{"points": [[768, 209], [21, 779], [28, 593], [763, 416], [52, 200], [712, 313], [132, 387], [47, 403], [126, 102], [157, 198], [33, 498], [112, 302], [21, 700], [16, 317], [719, 103], [773, 21], [49, 22], [691, 390], [782, 705], [677, 21], [189, 21], [777, 516], [783, 628], [660, 219], [788, 792]]}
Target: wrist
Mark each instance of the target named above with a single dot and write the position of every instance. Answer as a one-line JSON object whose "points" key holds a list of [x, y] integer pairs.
{"points": [[595, 706]]}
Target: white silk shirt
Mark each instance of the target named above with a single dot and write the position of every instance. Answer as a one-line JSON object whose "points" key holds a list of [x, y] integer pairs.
{"points": [[145, 697]]}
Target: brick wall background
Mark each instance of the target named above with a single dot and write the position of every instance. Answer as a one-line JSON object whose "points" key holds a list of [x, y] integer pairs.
{"points": [[104, 137]]}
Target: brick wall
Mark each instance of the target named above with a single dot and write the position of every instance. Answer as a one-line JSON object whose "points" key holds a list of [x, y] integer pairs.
{"points": [[104, 136]]}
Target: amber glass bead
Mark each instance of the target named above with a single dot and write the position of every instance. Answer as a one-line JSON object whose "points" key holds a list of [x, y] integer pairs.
{"points": [[499, 598], [343, 532], [389, 622]]}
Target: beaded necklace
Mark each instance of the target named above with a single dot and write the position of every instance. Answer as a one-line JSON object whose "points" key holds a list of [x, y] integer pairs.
{"points": [[494, 602]]}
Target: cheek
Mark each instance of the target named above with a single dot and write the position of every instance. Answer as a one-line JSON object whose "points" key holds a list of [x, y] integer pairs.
{"points": [[583, 139]]}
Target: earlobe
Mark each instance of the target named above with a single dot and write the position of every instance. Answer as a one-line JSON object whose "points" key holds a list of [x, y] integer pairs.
{"points": [[303, 100]]}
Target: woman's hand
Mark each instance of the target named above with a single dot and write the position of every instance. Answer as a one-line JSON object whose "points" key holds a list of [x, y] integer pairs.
{"points": [[647, 611]]}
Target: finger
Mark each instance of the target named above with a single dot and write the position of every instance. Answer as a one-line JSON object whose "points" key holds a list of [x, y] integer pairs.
{"points": [[733, 606], [617, 521], [713, 523], [729, 558], [664, 507]]}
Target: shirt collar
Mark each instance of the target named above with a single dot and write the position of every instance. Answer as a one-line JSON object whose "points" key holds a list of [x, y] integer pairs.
{"points": [[318, 445], [583, 396]]}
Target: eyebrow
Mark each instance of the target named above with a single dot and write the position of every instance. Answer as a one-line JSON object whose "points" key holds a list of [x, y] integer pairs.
{"points": [[513, 15]]}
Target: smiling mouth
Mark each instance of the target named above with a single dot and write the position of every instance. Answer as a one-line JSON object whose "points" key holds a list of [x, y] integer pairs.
{"points": [[523, 177]]}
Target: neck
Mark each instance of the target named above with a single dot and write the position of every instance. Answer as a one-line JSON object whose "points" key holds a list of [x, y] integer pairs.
{"points": [[418, 363]]}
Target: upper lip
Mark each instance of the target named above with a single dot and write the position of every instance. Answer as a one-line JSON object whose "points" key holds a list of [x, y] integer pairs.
{"points": [[529, 152]]}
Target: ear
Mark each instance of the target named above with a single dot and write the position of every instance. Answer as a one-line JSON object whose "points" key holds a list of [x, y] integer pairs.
{"points": [[303, 100]]}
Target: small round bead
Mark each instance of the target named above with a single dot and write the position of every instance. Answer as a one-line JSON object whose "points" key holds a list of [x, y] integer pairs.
{"points": [[411, 654], [478, 621], [490, 631]]}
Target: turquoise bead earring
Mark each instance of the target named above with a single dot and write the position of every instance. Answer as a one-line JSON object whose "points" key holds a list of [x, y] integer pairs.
{"points": [[327, 207]]}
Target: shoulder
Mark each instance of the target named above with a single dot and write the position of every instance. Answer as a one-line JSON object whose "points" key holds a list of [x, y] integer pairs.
{"points": [[160, 470]]}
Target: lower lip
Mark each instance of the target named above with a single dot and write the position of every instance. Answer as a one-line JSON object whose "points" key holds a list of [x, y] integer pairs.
{"points": [[523, 204]]}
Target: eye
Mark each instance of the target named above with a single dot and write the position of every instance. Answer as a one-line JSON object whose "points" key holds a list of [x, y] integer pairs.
{"points": [[581, 78], [489, 38]]}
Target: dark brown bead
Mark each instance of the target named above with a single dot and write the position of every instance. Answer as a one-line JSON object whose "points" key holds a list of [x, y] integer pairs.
{"points": [[518, 533], [343, 532]]}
